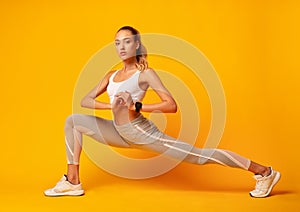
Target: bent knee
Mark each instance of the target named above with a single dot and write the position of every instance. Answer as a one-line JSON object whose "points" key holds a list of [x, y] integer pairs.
{"points": [[70, 121]]}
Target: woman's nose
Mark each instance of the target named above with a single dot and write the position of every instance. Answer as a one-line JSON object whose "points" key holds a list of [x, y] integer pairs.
{"points": [[122, 46]]}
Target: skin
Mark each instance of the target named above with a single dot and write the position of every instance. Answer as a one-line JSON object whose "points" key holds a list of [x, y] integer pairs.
{"points": [[123, 106]]}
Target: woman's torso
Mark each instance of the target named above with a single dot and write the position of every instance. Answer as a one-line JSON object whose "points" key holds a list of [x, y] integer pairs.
{"points": [[132, 84]]}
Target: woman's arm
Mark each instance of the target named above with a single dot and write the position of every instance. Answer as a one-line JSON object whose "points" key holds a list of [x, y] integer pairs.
{"points": [[167, 104], [89, 101]]}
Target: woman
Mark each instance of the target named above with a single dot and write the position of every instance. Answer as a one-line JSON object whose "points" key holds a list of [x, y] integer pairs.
{"points": [[126, 89]]}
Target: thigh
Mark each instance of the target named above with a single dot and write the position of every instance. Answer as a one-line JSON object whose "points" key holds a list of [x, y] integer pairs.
{"points": [[100, 129], [170, 147]]}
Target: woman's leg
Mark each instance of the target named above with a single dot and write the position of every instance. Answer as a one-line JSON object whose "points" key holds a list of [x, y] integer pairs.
{"points": [[188, 153], [266, 178], [99, 129], [143, 134]]}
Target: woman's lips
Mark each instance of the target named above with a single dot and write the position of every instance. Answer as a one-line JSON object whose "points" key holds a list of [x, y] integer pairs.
{"points": [[122, 53]]}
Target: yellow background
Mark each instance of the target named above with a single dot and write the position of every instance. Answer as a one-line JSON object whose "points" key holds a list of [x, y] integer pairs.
{"points": [[254, 47]]}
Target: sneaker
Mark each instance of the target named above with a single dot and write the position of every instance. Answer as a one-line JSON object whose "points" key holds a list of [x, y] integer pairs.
{"points": [[265, 184], [64, 188]]}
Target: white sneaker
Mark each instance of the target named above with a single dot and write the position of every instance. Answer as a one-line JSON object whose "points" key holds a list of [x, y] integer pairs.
{"points": [[64, 188], [265, 184]]}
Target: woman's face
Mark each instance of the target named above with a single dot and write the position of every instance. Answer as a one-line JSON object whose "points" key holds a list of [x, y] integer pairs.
{"points": [[125, 44]]}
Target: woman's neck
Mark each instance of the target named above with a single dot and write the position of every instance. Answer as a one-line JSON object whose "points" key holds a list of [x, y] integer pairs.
{"points": [[129, 64]]}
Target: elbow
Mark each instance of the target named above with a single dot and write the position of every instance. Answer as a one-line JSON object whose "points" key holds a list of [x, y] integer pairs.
{"points": [[83, 102], [170, 107], [173, 107]]}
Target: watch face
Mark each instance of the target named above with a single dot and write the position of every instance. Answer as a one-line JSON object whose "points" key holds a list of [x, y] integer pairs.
{"points": [[138, 106]]}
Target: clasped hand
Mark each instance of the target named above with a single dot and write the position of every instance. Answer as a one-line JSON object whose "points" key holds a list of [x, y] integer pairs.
{"points": [[123, 99]]}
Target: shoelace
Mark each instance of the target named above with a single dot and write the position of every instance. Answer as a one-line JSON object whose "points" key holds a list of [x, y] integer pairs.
{"points": [[259, 185]]}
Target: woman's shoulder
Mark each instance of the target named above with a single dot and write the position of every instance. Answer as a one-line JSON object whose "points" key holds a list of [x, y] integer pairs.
{"points": [[149, 74], [148, 71], [110, 73]]}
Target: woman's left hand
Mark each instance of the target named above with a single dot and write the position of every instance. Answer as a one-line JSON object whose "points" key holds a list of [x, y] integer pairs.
{"points": [[124, 99]]}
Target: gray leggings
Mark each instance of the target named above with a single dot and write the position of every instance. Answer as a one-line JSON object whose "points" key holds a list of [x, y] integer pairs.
{"points": [[143, 134]]}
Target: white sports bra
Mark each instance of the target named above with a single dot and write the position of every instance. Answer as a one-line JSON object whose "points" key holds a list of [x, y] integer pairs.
{"points": [[130, 85]]}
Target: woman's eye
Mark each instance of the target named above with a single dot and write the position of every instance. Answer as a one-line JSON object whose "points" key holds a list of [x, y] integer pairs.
{"points": [[117, 44]]}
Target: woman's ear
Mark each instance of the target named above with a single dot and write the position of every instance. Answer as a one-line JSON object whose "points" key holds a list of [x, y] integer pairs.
{"points": [[137, 45]]}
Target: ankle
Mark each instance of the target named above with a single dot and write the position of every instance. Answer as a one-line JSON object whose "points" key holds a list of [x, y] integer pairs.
{"points": [[73, 174], [266, 172], [73, 180]]}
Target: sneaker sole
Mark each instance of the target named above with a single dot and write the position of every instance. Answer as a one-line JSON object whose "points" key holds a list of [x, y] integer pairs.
{"points": [[67, 193], [275, 181]]}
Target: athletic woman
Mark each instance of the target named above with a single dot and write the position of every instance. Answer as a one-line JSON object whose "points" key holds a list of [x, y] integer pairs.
{"points": [[130, 129]]}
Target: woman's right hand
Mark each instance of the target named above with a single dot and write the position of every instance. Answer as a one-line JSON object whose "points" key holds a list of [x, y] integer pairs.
{"points": [[122, 100], [123, 108]]}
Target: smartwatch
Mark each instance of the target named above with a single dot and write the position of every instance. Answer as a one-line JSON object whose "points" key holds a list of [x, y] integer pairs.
{"points": [[138, 106]]}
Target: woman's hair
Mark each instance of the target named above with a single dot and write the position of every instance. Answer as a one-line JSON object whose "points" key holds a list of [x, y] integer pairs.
{"points": [[141, 52]]}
